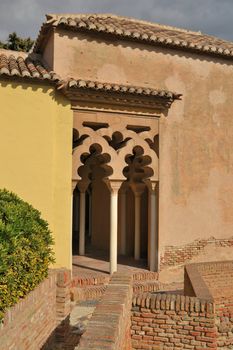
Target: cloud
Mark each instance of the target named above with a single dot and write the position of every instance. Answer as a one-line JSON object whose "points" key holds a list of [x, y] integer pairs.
{"points": [[210, 16]]}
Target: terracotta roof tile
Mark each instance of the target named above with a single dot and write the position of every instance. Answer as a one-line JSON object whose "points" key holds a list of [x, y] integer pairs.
{"points": [[24, 66], [118, 88], [133, 29], [20, 65]]}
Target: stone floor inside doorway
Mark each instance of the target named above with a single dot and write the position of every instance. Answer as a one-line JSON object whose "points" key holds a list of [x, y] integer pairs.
{"points": [[98, 264], [93, 269]]}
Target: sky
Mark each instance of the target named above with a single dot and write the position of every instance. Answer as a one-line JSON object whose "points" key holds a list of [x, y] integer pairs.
{"points": [[214, 17]]}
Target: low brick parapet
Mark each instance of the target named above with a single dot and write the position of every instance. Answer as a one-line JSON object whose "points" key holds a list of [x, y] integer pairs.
{"points": [[29, 323], [214, 280], [39, 317], [170, 321]]}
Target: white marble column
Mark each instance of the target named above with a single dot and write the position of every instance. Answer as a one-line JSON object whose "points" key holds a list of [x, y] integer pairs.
{"points": [[137, 226], [114, 187], [82, 219], [74, 184], [138, 189], [90, 212], [123, 222], [153, 228], [82, 186]]}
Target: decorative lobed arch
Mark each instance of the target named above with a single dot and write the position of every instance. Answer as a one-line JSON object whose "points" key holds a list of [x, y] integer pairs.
{"points": [[117, 143], [119, 154]]}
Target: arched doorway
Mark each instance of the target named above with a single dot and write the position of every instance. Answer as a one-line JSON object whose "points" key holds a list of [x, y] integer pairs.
{"points": [[115, 173]]}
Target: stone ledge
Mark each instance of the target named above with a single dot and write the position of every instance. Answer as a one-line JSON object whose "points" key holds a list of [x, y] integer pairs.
{"points": [[162, 301]]}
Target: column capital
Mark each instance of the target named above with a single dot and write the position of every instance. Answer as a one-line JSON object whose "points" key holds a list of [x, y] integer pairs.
{"points": [[113, 185], [83, 185], [137, 188], [73, 184], [152, 185]]}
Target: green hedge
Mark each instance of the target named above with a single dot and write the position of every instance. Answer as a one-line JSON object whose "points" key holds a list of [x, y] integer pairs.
{"points": [[25, 249]]}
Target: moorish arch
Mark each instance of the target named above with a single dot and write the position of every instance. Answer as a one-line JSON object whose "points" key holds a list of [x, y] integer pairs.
{"points": [[123, 162], [119, 117]]}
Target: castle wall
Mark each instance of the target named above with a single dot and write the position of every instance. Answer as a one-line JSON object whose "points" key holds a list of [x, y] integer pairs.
{"points": [[195, 166]]}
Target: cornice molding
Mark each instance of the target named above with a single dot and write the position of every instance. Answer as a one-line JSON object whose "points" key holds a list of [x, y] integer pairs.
{"points": [[118, 96]]}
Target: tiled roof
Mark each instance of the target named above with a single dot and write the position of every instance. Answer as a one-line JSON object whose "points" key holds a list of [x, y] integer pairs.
{"points": [[137, 30], [119, 88], [24, 66], [20, 65]]}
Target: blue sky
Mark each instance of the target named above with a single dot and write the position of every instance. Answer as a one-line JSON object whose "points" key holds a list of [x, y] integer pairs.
{"points": [[214, 17]]}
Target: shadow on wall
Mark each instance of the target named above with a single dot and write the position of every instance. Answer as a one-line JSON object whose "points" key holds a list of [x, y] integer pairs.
{"points": [[114, 40], [65, 336], [36, 85]]}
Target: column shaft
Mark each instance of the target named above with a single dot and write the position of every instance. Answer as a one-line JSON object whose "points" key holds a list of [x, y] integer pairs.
{"points": [[137, 227], [71, 231], [153, 231], [123, 223], [90, 213], [82, 223], [113, 231], [74, 184]]}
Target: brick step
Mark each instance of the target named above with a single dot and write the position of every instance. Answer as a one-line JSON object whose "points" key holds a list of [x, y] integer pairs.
{"points": [[87, 293], [145, 275], [92, 280], [146, 286]]}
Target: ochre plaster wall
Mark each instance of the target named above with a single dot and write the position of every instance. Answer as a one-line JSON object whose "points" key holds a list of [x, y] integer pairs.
{"points": [[196, 159], [36, 156]]}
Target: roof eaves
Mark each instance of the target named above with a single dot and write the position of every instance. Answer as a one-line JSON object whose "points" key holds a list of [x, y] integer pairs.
{"points": [[119, 88], [28, 80], [14, 65], [213, 46], [108, 95]]}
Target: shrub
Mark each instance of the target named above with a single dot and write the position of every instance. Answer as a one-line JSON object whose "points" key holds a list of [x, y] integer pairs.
{"points": [[25, 249]]}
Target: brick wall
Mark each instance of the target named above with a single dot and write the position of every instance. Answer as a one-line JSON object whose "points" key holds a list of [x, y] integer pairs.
{"points": [[215, 280], [40, 316], [178, 255], [218, 277], [162, 321], [28, 324], [63, 298], [109, 327]]}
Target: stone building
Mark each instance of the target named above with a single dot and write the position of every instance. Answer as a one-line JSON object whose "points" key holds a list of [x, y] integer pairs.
{"points": [[127, 125]]}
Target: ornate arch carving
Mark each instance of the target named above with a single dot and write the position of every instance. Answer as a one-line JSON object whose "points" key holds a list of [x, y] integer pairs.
{"points": [[118, 145]]}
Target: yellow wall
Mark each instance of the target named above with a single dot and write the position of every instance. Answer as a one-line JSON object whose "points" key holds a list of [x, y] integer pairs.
{"points": [[36, 155]]}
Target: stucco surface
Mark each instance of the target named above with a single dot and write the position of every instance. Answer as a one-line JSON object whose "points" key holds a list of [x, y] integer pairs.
{"points": [[35, 153], [195, 166]]}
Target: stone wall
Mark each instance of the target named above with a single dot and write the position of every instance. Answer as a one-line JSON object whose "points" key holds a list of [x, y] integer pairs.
{"points": [[29, 323], [109, 327], [162, 321], [35, 320]]}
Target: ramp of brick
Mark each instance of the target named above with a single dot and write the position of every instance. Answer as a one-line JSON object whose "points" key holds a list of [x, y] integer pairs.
{"points": [[109, 327]]}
